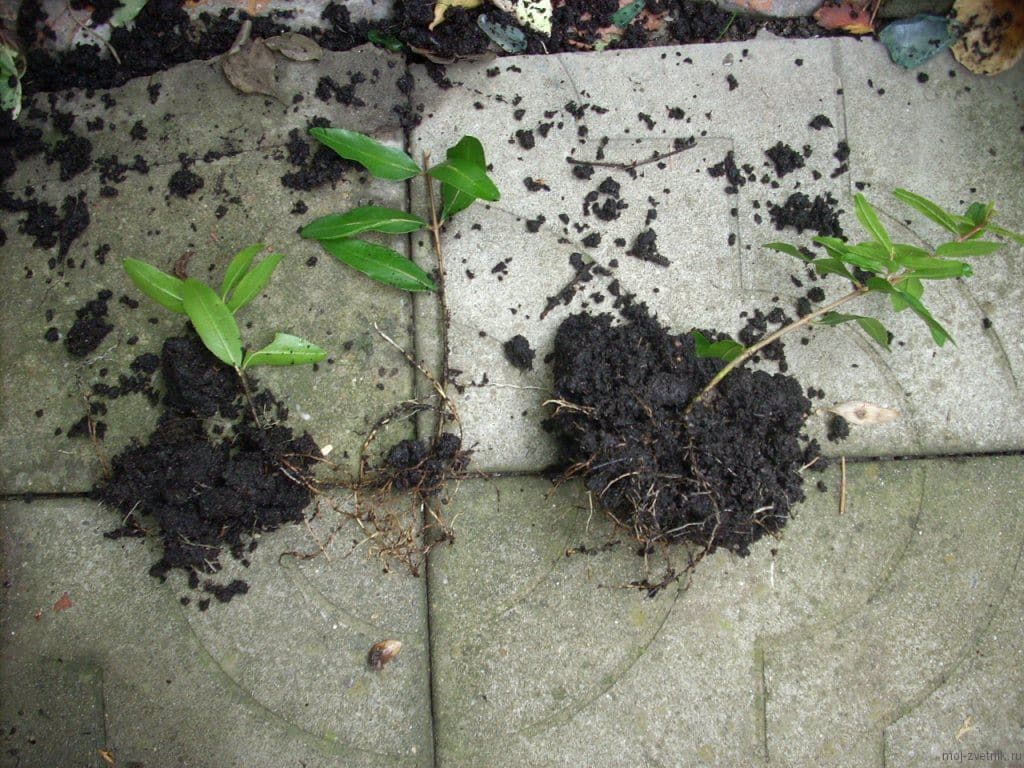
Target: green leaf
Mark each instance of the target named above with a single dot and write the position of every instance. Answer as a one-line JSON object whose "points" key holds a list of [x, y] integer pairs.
{"points": [[791, 250], [285, 349], [1019, 239], [898, 304], [382, 40], [162, 288], [911, 285], [857, 255], [237, 268], [927, 208], [879, 284], [943, 270], [868, 218], [832, 266], [454, 200], [382, 264], [967, 248], [978, 213], [12, 67], [876, 331], [939, 334], [362, 219], [724, 349], [126, 12], [381, 161], [622, 17], [253, 282], [213, 321], [872, 327], [466, 176], [904, 250], [914, 287]]}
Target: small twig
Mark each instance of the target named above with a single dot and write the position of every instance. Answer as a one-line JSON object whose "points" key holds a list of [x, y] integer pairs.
{"points": [[242, 37], [657, 156], [842, 484], [248, 396], [96, 36]]}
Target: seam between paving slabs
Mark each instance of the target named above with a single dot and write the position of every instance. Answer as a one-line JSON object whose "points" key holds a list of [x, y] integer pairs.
{"points": [[416, 422]]}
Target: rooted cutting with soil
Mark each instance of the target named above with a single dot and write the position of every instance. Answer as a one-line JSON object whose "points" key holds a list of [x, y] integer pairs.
{"points": [[722, 476]]}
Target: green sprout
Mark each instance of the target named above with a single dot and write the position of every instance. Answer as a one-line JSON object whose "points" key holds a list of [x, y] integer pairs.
{"points": [[212, 313], [877, 266]]}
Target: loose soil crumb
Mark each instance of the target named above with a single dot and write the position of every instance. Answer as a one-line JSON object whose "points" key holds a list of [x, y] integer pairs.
{"points": [[201, 494], [519, 353], [723, 477]]}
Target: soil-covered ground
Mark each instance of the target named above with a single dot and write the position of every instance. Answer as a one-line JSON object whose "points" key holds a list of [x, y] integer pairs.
{"points": [[723, 476], [209, 478]]}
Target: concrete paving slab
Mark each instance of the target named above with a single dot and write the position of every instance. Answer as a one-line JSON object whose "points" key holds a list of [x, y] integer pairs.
{"points": [[120, 665], [542, 658], [744, 98], [242, 201]]}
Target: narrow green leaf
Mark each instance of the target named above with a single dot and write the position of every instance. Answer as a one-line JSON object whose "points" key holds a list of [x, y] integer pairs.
{"points": [[363, 219], [903, 250], [914, 287], [853, 254], [876, 331], [466, 176], [939, 334], [381, 161], [943, 270], [237, 268], [213, 321], [868, 218], [911, 285], [834, 246], [832, 266], [898, 304], [382, 264], [791, 250], [285, 349], [1019, 239], [879, 284], [383, 40], [836, 318], [978, 213], [162, 288], [724, 349], [927, 208], [967, 248], [253, 282]]}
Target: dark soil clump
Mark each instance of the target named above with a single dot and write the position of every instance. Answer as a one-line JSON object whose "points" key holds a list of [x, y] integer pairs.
{"points": [[423, 466], [724, 476], [519, 353], [202, 494], [800, 212], [90, 327]]}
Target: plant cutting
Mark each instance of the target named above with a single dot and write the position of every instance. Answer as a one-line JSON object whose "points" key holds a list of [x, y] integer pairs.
{"points": [[680, 441], [420, 467], [212, 313]]}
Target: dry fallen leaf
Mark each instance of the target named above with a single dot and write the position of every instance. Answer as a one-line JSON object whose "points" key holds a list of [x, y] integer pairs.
{"points": [[860, 413], [535, 14], [441, 8], [294, 46], [63, 603], [966, 728], [106, 756], [251, 69], [994, 40], [383, 652], [849, 16]]}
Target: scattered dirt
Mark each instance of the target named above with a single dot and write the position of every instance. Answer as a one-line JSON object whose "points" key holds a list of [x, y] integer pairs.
{"points": [[724, 476], [202, 490], [90, 327]]}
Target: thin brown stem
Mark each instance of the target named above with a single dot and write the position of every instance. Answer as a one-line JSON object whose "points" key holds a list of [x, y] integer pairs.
{"points": [[753, 349], [635, 163], [435, 232], [248, 396]]}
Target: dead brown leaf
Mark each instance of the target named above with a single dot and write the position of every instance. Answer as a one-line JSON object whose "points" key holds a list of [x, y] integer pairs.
{"points": [[850, 16], [294, 46], [860, 413], [251, 69], [994, 40]]}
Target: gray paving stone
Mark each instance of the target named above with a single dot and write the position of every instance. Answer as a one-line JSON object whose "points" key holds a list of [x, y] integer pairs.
{"points": [[126, 668], [963, 398], [778, 8], [242, 201], [542, 658]]}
